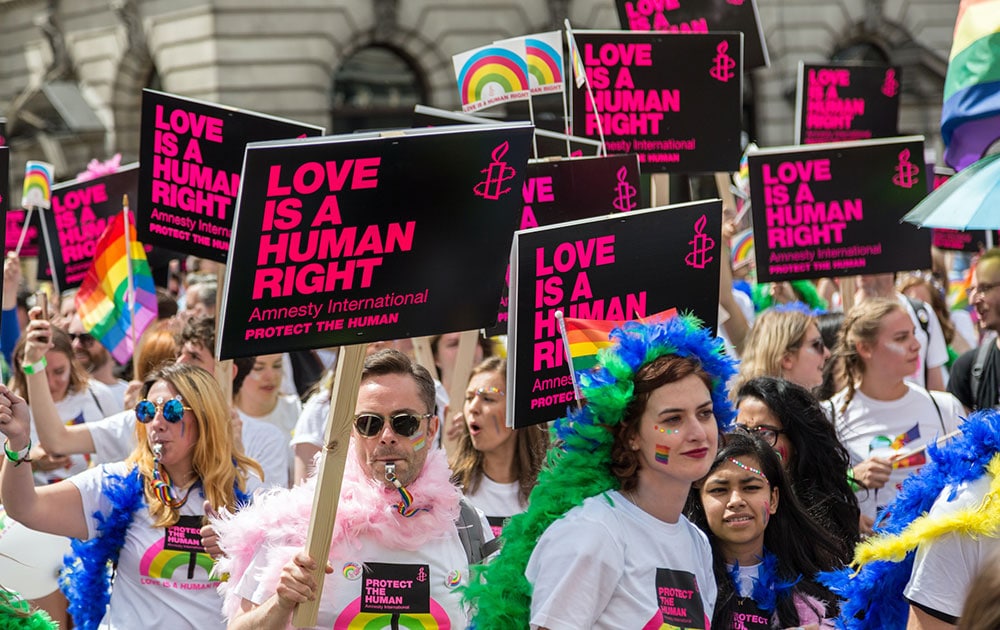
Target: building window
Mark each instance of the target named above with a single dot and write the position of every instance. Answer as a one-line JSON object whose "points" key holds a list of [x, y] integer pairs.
{"points": [[375, 88]]}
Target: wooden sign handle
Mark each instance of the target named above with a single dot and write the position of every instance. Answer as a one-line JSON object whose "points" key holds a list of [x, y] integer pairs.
{"points": [[330, 475], [467, 343], [223, 369]]}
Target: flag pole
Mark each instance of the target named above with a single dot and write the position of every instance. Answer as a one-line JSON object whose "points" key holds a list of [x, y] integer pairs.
{"points": [[569, 358], [24, 230], [586, 84], [130, 291]]}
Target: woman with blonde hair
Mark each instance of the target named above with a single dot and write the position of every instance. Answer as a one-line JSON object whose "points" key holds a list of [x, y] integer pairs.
{"points": [[142, 515], [883, 420], [495, 465], [784, 343]]}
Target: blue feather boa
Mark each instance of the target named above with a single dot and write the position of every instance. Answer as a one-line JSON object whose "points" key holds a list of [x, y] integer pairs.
{"points": [[873, 597], [768, 586], [88, 569]]}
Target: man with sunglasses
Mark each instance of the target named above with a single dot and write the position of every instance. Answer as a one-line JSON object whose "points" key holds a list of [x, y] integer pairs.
{"points": [[95, 358], [397, 550]]}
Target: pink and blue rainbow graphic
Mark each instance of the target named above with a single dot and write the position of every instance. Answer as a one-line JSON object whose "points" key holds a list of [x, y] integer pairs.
{"points": [[351, 618], [37, 185], [545, 62], [160, 563], [491, 75]]}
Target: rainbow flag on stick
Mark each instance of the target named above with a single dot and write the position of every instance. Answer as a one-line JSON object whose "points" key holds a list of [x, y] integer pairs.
{"points": [[584, 338], [970, 116], [492, 75], [545, 62], [103, 300]]}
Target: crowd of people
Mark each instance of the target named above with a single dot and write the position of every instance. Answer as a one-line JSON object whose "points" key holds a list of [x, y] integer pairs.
{"points": [[747, 480]]}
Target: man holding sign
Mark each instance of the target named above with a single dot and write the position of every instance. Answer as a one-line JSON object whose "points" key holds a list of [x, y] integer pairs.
{"points": [[397, 550]]}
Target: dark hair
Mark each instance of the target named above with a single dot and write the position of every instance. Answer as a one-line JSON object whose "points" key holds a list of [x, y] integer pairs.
{"points": [[166, 305], [819, 464], [651, 376], [829, 325], [390, 361], [530, 446], [800, 545], [485, 344], [200, 331], [244, 365]]}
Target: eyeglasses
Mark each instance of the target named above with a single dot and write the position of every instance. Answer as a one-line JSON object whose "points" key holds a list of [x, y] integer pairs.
{"points": [[816, 344], [403, 424], [85, 339], [767, 433], [982, 287], [173, 410]]}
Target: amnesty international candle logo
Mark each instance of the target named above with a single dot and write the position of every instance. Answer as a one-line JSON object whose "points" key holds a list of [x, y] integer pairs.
{"points": [[626, 192], [701, 245], [906, 171], [497, 173], [890, 86], [724, 64], [352, 239]]}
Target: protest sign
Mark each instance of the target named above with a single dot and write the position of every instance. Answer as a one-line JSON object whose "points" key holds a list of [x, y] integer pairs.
{"points": [[699, 16], [190, 155], [620, 267], [80, 212], [359, 238], [5, 187], [675, 100], [567, 190], [837, 102], [971, 241], [834, 209]]}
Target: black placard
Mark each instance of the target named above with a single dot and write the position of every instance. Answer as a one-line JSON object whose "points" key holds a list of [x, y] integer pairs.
{"points": [[699, 16], [351, 239], [5, 189], [679, 599], [567, 190], [396, 588], [838, 102], [675, 100], [834, 209], [621, 267], [191, 154], [80, 212]]}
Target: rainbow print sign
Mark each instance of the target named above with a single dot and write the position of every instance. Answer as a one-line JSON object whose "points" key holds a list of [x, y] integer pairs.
{"points": [[37, 185], [492, 75], [544, 57], [741, 248]]}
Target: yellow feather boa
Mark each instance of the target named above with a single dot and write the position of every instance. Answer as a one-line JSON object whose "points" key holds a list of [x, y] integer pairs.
{"points": [[982, 520]]}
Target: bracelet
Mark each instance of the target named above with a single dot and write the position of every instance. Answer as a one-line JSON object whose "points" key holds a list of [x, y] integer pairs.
{"points": [[35, 368], [17, 456], [851, 481]]}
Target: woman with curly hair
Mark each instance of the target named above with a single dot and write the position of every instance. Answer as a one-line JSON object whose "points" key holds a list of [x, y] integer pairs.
{"points": [[766, 550], [603, 543], [793, 422], [142, 515], [496, 466]]}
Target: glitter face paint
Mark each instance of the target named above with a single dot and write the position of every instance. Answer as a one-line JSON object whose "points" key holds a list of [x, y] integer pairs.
{"points": [[898, 349], [662, 454], [667, 431], [418, 440]]}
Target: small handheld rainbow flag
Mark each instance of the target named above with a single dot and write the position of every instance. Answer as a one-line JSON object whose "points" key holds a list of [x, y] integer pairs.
{"points": [[741, 249], [103, 301], [970, 115], [545, 62], [492, 75], [37, 185]]}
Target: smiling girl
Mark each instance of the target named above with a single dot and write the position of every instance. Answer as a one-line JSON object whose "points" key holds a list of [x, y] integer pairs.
{"points": [[766, 550]]}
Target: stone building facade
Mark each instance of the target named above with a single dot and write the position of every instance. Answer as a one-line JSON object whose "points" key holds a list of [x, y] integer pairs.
{"points": [[72, 71]]}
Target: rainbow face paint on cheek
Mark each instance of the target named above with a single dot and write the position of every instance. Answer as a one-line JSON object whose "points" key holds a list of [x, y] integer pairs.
{"points": [[418, 441], [662, 454], [183, 427]]}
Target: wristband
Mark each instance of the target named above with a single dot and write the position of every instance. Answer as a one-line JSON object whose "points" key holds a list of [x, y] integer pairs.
{"points": [[17, 456], [851, 481], [34, 368]]}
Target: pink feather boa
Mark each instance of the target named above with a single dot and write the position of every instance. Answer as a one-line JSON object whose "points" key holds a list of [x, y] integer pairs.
{"points": [[278, 521]]}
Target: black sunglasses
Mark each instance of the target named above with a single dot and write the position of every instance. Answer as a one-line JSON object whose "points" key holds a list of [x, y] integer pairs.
{"points": [[403, 424], [84, 338]]}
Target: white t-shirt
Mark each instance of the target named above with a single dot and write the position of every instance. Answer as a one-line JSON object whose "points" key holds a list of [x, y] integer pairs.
{"points": [[269, 448], [943, 570], [162, 579], [118, 389], [375, 581], [310, 428], [88, 405], [889, 428], [284, 415], [498, 501], [933, 352], [615, 566], [114, 436]]}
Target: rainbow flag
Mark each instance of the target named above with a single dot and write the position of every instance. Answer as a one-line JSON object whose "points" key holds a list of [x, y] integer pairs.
{"points": [[741, 248], [37, 191], [492, 75], [958, 292], [102, 299], [586, 337], [545, 62], [970, 116], [579, 71]]}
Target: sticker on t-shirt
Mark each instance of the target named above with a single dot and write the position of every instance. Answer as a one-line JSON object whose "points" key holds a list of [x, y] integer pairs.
{"points": [[178, 559], [496, 524], [395, 588], [748, 616], [679, 599]]}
